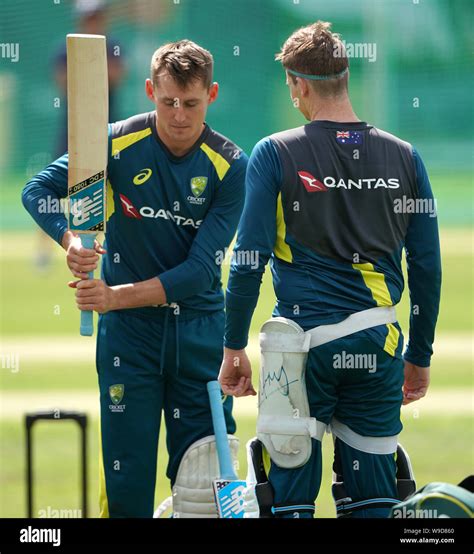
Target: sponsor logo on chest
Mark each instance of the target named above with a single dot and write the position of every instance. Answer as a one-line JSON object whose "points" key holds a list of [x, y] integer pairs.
{"points": [[132, 212], [311, 184]]}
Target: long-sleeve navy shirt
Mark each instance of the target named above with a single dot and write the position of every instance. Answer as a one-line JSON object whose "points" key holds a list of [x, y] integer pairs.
{"points": [[330, 227]]}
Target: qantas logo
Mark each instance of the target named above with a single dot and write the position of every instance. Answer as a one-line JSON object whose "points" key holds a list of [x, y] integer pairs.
{"points": [[311, 184], [128, 208], [146, 211]]}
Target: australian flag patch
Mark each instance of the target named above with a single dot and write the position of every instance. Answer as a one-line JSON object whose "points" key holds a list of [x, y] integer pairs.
{"points": [[349, 137]]}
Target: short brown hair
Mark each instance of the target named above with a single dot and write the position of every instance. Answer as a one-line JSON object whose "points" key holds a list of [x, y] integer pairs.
{"points": [[185, 61], [315, 50]]}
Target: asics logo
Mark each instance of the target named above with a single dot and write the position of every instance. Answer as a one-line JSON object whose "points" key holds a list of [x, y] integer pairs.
{"points": [[142, 177]]}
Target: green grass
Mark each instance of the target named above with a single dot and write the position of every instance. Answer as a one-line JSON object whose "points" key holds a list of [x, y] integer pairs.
{"points": [[35, 303], [55, 375], [438, 446], [446, 374]]}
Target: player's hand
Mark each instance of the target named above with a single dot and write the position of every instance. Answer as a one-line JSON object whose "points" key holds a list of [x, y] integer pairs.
{"points": [[417, 380], [235, 375], [94, 295], [80, 260]]}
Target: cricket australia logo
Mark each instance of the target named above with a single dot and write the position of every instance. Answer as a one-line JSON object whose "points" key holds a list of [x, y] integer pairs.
{"points": [[116, 393], [198, 186]]}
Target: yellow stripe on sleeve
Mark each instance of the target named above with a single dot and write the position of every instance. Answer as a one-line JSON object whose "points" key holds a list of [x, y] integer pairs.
{"points": [[120, 143], [221, 165]]}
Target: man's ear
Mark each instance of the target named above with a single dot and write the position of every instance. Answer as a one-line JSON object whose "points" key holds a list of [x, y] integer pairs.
{"points": [[303, 86], [213, 92], [149, 90]]}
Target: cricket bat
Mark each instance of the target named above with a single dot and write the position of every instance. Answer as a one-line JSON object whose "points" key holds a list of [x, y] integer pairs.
{"points": [[88, 106], [228, 489]]}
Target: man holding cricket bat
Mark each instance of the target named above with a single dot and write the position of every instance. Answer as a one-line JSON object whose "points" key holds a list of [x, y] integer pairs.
{"points": [[175, 191], [332, 204]]}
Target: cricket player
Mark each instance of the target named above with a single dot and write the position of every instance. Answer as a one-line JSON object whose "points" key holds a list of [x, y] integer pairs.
{"points": [[175, 192], [332, 205]]}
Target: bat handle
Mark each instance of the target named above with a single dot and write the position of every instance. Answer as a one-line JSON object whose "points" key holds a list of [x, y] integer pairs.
{"points": [[220, 431], [87, 322]]}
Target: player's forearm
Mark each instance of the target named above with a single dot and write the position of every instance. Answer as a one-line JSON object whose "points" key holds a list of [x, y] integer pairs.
{"points": [[242, 294], [243, 290], [425, 291], [138, 295], [42, 196], [239, 313], [189, 278], [43, 206]]}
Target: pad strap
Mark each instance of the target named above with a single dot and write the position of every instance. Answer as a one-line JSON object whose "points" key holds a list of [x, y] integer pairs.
{"points": [[371, 445], [359, 321], [283, 342], [284, 425]]}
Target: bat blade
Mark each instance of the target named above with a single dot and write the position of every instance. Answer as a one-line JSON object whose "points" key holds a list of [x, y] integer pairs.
{"points": [[87, 93], [228, 489]]}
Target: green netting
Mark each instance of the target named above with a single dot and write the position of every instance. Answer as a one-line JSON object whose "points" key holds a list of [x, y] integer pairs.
{"points": [[419, 86]]}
